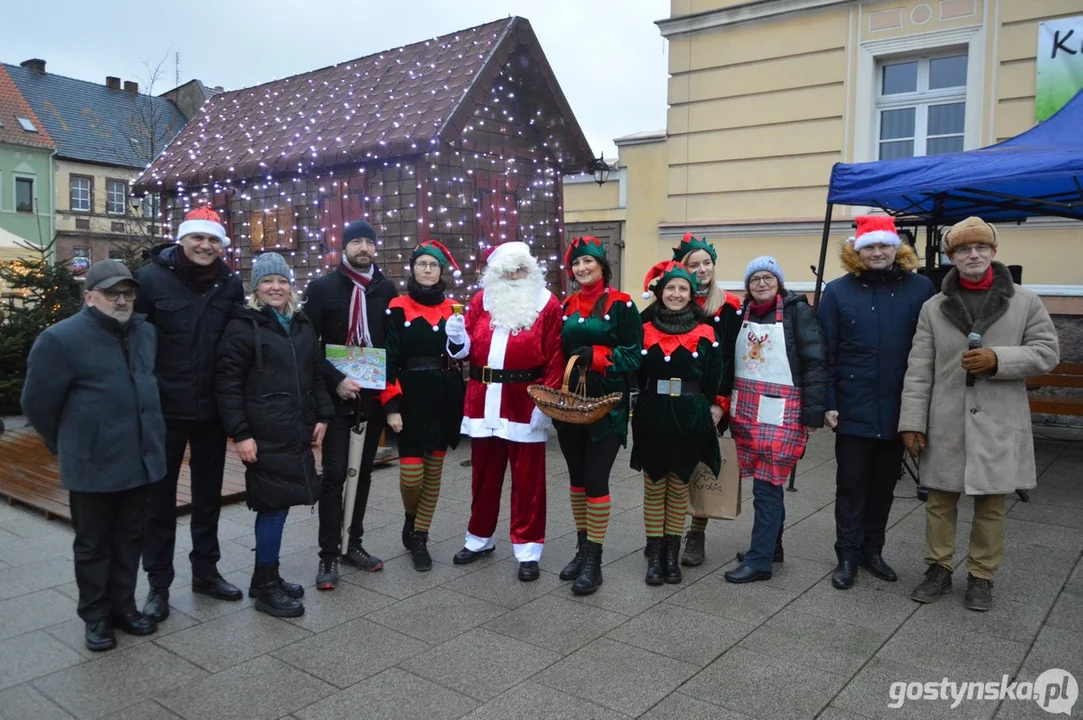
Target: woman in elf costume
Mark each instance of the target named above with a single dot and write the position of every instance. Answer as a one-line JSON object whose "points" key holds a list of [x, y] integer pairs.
{"points": [[724, 311], [602, 327], [425, 390], [673, 427]]}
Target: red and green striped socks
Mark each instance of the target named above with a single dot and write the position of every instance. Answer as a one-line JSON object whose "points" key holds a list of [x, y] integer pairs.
{"points": [[411, 471], [430, 491], [654, 504], [676, 504], [578, 496], [699, 524], [597, 512]]}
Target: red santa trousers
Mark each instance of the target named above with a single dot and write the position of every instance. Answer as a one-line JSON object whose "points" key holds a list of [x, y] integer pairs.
{"points": [[489, 458]]}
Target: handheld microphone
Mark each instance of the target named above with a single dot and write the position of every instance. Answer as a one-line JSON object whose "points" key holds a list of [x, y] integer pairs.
{"points": [[973, 343]]}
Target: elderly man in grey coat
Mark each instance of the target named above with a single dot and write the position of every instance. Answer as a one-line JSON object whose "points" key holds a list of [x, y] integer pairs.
{"points": [[91, 394], [976, 344]]}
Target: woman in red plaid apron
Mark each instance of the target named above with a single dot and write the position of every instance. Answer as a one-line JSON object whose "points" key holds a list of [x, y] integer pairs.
{"points": [[778, 400]]}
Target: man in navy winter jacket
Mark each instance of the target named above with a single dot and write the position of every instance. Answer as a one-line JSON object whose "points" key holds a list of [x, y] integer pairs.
{"points": [[869, 317]]}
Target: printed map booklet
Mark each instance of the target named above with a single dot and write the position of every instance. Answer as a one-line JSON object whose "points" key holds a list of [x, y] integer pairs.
{"points": [[367, 366]]}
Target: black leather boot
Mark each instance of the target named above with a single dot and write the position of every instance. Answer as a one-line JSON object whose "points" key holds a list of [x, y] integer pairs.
{"points": [[100, 636], [672, 572], [157, 606], [655, 575], [843, 577], [272, 598], [571, 570], [294, 590], [419, 551], [407, 528], [590, 575], [693, 549]]}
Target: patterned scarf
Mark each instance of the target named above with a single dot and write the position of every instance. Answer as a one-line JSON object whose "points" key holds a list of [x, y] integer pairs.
{"points": [[358, 334]]}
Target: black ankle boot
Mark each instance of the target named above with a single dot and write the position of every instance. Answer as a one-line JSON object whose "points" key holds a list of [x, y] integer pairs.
{"points": [[272, 598], [294, 590], [419, 551], [590, 574], [672, 571], [571, 570], [407, 528], [655, 575]]}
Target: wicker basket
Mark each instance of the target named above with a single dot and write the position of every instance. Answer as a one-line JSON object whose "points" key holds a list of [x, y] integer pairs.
{"points": [[572, 407]]}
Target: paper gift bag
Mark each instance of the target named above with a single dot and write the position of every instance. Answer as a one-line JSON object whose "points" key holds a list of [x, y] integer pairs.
{"points": [[717, 497]]}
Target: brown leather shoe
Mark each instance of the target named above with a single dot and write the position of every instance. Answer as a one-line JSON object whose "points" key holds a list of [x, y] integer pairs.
{"points": [[937, 583]]}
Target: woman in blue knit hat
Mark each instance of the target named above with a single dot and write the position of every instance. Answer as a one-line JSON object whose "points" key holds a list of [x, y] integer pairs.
{"points": [[273, 402], [425, 390], [779, 391]]}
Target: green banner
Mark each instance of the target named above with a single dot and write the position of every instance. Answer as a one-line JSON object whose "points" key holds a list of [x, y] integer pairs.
{"points": [[1060, 64]]}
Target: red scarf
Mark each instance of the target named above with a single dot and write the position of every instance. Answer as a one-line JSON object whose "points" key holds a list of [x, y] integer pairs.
{"points": [[358, 334], [588, 296], [759, 309], [984, 284]]}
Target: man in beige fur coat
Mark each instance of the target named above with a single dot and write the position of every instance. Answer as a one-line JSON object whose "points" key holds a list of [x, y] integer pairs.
{"points": [[976, 437]]}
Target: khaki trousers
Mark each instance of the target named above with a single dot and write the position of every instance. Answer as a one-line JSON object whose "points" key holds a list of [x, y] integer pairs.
{"points": [[986, 532]]}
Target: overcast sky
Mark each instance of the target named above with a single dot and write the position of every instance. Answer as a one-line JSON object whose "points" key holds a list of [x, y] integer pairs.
{"points": [[607, 54]]}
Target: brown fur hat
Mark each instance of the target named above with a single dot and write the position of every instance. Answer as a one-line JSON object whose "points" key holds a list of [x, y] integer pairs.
{"points": [[973, 230]]}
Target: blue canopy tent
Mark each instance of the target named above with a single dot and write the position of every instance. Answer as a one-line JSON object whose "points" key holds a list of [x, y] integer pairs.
{"points": [[1036, 173]]}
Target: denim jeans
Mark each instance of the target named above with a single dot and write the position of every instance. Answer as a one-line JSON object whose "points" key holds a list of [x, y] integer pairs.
{"points": [[269, 535], [770, 514]]}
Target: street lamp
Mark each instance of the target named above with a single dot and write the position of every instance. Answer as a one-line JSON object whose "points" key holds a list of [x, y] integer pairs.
{"points": [[600, 170]]}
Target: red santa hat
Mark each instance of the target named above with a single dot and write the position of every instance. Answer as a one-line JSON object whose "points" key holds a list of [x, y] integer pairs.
{"points": [[205, 221], [875, 230]]}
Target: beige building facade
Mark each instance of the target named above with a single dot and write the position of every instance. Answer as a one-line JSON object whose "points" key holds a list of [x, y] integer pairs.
{"points": [[765, 97]]}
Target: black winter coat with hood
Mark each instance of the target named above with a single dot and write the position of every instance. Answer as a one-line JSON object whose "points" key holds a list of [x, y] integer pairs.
{"points": [[270, 388], [189, 325]]}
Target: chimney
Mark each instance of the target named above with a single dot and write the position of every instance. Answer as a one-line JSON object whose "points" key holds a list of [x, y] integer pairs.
{"points": [[35, 64], [113, 83], [132, 87]]}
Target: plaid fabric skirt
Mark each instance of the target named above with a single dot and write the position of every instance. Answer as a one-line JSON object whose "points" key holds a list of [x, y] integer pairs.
{"points": [[765, 451]]}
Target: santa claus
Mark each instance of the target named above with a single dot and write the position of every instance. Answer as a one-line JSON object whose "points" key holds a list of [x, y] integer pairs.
{"points": [[511, 334]]}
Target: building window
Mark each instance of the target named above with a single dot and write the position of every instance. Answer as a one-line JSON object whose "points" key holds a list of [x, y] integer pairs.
{"points": [[24, 194], [152, 206], [116, 196], [26, 124], [921, 106], [81, 193], [115, 253]]}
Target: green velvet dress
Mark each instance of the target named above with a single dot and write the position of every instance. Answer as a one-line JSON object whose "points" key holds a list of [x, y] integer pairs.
{"points": [[675, 433], [614, 333]]}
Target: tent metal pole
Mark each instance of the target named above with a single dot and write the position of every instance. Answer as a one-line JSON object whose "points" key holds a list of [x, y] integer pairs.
{"points": [[823, 256]]}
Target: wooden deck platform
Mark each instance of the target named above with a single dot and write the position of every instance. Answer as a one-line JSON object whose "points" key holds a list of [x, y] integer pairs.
{"points": [[29, 475]]}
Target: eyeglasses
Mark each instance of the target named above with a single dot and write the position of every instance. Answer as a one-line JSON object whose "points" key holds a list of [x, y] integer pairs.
{"points": [[113, 295], [762, 280], [427, 266], [965, 250]]}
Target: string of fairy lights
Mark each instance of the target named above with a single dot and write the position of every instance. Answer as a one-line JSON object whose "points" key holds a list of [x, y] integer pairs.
{"points": [[501, 173]]}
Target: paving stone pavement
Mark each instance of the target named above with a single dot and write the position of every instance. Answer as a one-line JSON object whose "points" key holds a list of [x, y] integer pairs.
{"points": [[473, 642]]}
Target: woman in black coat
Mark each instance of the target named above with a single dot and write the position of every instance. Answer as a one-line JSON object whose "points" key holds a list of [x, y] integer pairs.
{"points": [[274, 404]]}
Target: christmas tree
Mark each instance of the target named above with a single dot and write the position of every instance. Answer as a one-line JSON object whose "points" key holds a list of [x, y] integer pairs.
{"points": [[40, 293]]}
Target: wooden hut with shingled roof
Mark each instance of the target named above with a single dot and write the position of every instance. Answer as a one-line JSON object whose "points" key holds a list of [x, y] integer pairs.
{"points": [[463, 139]]}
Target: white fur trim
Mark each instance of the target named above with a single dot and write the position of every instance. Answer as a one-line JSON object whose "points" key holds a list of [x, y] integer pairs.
{"points": [[505, 252], [527, 552], [508, 430], [204, 227], [477, 544], [876, 237], [494, 392]]}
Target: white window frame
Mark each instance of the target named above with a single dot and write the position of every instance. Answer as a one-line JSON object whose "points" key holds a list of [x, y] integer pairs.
{"points": [[920, 100], [872, 54], [16, 177], [90, 193], [123, 196], [151, 207]]}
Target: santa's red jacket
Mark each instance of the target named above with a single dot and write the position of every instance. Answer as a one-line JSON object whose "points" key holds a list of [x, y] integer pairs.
{"points": [[505, 410]]}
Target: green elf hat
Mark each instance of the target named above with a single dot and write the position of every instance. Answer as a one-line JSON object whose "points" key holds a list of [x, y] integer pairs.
{"points": [[580, 246], [660, 275], [439, 252], [691, 244]]}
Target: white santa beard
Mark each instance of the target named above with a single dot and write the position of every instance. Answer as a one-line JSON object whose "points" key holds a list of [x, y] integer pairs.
{"points": [[513, 304]]}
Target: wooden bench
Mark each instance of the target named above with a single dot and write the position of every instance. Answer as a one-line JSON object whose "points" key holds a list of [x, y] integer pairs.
{"points": [[1065, 375]]}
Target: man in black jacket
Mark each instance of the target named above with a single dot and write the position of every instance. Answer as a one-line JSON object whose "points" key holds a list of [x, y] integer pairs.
{"points": [[348, 307], [186, 293], [90, 392]]}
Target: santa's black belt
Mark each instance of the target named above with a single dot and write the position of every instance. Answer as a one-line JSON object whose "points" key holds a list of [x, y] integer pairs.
{"points": [[489, 375], [673, 387], [429, 362]]}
